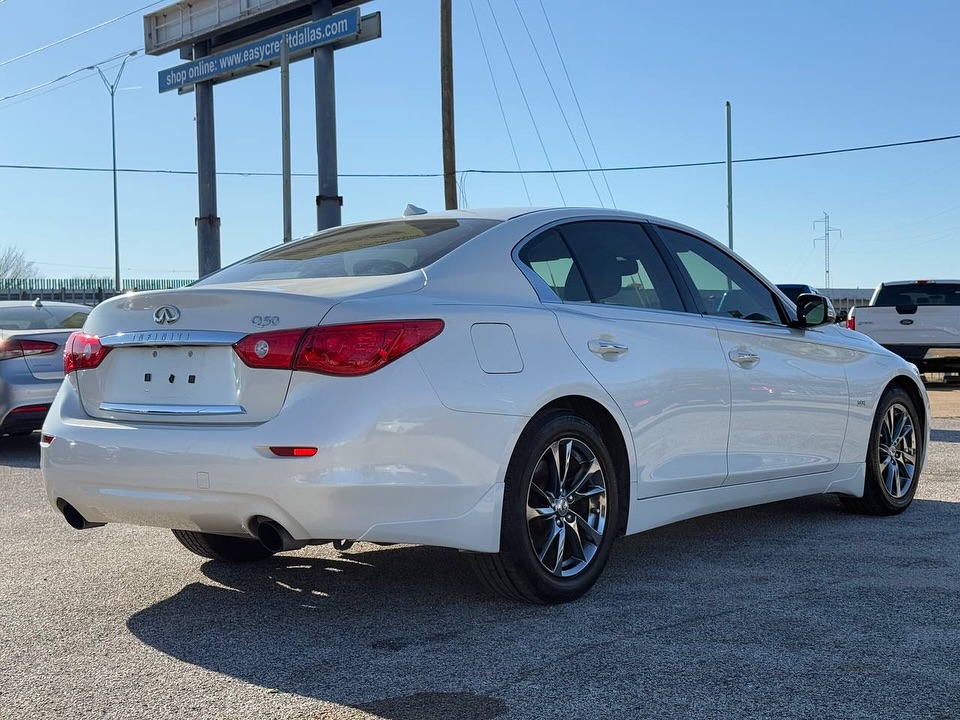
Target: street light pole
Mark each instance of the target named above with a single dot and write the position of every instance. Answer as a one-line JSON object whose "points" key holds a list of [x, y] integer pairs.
{"points": [[112, 89]]}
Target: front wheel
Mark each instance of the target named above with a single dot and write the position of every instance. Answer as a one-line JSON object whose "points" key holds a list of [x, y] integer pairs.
{"points": [[560, 513], [225, 548], [894, 457]]}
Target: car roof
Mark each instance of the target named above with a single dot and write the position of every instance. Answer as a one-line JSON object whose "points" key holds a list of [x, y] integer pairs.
{"points": [[508, 213]]}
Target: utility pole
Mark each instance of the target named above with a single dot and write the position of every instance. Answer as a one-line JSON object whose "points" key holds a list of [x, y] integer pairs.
{"points": [[446, 102], [826, 246], [729, 178]]}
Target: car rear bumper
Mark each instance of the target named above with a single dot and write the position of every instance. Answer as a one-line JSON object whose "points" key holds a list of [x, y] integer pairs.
{"points": [[24, 405], [435, 480]]}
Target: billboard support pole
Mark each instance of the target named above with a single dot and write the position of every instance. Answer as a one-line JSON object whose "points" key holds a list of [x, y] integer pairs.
{"points": [[208, 223], [329, 201], [285, 137]]}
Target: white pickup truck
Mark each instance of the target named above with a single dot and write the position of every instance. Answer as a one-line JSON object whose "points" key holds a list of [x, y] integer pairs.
{"points": [[919, 320]]}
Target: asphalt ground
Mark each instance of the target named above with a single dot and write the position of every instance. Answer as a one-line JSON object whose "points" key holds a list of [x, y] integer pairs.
{"points": [[791, 610]]}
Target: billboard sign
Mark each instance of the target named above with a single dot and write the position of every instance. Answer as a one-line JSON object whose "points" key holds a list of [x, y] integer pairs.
{"points": [[333, 29]]}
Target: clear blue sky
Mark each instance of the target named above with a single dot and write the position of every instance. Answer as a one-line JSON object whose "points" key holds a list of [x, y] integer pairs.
{"points": [[652, 79]]}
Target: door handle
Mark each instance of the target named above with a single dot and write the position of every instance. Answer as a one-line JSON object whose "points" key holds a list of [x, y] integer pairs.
{"points": [[744, 358], [604, 348]]}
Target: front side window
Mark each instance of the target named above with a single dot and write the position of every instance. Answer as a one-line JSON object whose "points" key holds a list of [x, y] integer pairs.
{"points": [[380, 248], [725, 287]]}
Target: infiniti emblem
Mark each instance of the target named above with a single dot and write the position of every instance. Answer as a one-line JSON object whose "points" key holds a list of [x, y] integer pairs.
{"points": [[166, 315]]}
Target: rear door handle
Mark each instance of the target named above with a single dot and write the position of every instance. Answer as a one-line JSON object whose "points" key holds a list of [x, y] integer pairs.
{"points": [[744, 358], [606, 347]]}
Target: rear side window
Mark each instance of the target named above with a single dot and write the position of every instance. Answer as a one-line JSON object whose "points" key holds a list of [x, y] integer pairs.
{"points": [[550, 258], [930, 293], [602, 262], [381, 248], [41, 318]]}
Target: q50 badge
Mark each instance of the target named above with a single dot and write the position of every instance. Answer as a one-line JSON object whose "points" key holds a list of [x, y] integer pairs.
{"points": [[265, 320]]}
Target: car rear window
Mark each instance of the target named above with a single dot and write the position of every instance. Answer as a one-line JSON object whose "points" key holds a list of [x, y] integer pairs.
{"points": [[918, 294], [380, 248], [29, 317]]}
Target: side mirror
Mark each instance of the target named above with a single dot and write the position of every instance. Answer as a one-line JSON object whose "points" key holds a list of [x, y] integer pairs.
{"points": [[814, 310]]}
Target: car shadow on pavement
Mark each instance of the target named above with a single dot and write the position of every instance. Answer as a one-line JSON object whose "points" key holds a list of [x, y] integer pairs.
{"points": [[22, 452], [737, 606]]}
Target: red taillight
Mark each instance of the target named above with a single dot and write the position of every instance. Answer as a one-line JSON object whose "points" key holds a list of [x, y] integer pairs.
{"points": [[83, 352], [355, 349], [14, 348], [362, 348], [851, 323]]}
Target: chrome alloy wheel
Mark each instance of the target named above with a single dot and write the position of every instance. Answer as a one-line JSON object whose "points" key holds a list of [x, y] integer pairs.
{"points": [[897, 448], [566, 507]]}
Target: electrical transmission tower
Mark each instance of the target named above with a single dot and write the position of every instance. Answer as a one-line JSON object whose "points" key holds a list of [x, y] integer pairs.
{"points": [[826, 246]]}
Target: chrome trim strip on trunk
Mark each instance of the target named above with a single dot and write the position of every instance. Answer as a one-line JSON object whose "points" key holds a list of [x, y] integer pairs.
{"points": [[172, 337], [143, 409]]}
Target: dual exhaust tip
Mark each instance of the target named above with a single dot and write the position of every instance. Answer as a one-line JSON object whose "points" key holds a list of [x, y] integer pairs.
{"points": [[271, 534]]}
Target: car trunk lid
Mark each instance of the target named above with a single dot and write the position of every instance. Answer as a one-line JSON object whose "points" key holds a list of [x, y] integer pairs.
{"points": [[171, 356]]}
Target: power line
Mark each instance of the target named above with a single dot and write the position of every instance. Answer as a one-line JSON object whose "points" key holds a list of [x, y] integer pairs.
{"points": [[503, 113], [484, 171], [525, 102], [556, 97], [78, 34], [577, 101]]}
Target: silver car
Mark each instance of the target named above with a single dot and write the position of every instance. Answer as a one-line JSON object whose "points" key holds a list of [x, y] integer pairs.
{"points": [[32, 336]]}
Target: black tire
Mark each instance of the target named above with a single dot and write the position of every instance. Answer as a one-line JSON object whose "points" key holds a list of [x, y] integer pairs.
{"points": [[225, 548], [893, 468], [557, 530]]}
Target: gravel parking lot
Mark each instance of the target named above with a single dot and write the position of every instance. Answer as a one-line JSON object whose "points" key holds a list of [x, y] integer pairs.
{"points": [[792, 610]]}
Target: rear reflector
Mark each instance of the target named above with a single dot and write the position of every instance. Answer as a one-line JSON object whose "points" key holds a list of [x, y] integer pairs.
{"points": [[355, 349], [293, 451], [14, 348], [83, 352], [46, 439], [31, 409], [273, 349]]}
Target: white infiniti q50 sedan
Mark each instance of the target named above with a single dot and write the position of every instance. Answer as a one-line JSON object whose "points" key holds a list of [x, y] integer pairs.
{"points": [[525, 385]]}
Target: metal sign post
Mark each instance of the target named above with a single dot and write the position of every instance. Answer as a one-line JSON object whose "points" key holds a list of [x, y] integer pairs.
{"points": [[227, 39]]}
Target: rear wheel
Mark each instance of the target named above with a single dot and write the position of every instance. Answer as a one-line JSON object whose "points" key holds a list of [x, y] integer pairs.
{"points": [[894, 457], [225, 548], [560, 513]]}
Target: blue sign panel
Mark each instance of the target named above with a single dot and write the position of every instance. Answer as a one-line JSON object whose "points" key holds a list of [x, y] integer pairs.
{"points": [[321, 32]]}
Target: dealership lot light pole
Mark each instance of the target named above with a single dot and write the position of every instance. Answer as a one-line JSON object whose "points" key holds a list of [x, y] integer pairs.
{"points": [[112, 89]]}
